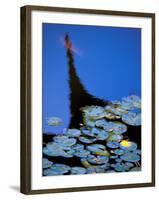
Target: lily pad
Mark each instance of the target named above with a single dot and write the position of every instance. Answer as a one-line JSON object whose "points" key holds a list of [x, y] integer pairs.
{"points": [[86, 140], [65, 141], [97, 159], [113, 145], [94, 112], [46, 163], [135, 169], [82, 153], [96, 147], [115, 137], [128, 145], [54, 121], [132, 118], [57, 169], [78, 170], [119, 151], [130, 157], [99, 134], [73, 132], [102, 123]]}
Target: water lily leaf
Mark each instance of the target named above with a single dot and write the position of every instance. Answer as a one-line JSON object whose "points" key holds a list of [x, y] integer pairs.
{"points": [[115, 137], [119, 151], [96, 148], [78, 170], [86, 140], [113, 145], [82, 153], [132, 118], [97, 159], [99, 134], [57, 169], [78, 147], [102, 123], [130, 157], [135, 169], [73, 132], [128, 145], [64, 141], [131, 101], [54, 121], [94, 112], [46, 163]]}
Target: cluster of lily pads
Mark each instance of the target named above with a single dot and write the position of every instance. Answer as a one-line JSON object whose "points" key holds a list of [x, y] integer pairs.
{"points": [[99, 143]]}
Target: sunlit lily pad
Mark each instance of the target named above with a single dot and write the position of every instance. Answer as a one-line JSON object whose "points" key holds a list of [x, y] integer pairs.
{"points": [[94, 112], [82, 153], [115, 137], [137, 151], [102, 123], [57, 169], [91, 170], [116, 110], [88, 122], [78, 170], [54, 121], [73, 132], [130, 157], [120, 167], [119, 160], [65, 141], [97, 159], [132, 118], [96, 147], [56, 149], [128, 145], [110, 115], [129, 164], [46, 163], [86, 140], [78, 147], [131, 102], [87, 131], [99, 134], [135, 169], [119, 152], [53, 149], [113, 145]]}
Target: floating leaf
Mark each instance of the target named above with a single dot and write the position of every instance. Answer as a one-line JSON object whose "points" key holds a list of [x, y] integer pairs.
{"points": [[97, 159], [132, 118], [46, 163], [57, 169], [119, 152], [65, 141], [94, 112], [54, 121], [86, 140], [78, 170], [73, 132], [113, 145], [127, 145], [130, 157], [82, 153]]}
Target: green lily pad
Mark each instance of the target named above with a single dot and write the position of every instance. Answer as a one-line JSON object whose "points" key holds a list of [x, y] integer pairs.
{"points": [[78, 170], [130, 157], [54, 121], [46, 163], [57, 169], [97, 159]]}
